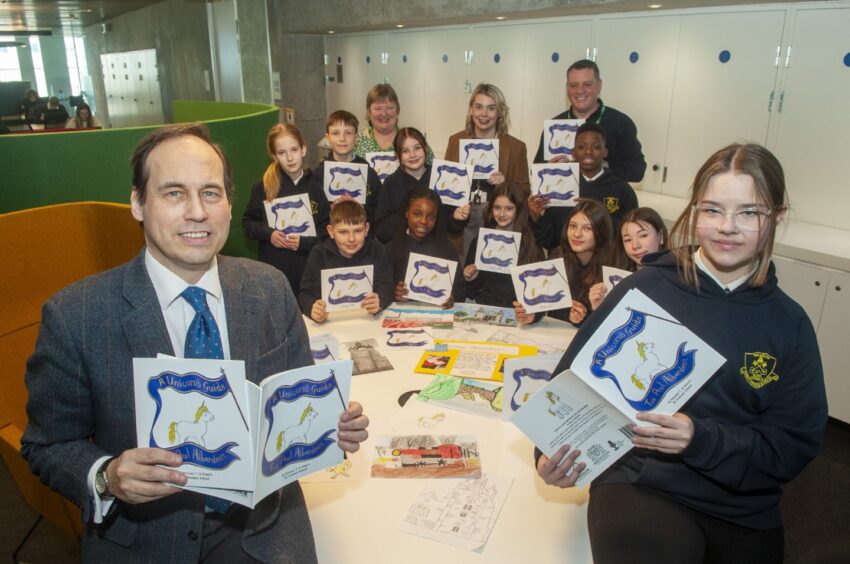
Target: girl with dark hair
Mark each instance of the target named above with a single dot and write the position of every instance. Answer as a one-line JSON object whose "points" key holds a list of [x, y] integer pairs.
{"points": [[421, 214], [586, 247], [285, 176], [642, 232], [713, 473], [506, 210], [411, 149]]}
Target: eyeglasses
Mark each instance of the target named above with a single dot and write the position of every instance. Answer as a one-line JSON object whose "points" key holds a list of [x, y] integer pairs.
{"points": [[746, 219]]}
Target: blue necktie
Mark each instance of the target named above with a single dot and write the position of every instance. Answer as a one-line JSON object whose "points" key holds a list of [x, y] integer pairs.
{"points": [[203, 340]]}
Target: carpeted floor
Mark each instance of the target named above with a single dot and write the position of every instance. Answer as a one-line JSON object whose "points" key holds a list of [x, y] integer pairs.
{"points": [[816, 509]]}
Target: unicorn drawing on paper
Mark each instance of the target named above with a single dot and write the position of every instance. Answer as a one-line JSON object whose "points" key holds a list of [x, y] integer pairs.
{"points": [[297, 432], [556, 407], [650, 365], [191, 431]]}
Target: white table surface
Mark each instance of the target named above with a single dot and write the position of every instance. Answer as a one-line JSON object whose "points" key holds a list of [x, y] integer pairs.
{"points": [[355, 521]]}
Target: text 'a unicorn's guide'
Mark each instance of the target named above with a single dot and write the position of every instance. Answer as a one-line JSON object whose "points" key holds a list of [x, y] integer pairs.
{"points": [[639, 360], [240, 441]]}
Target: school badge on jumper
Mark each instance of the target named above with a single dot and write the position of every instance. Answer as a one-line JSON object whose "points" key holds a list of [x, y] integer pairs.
{"points": [[612, 205], [758, 369]]}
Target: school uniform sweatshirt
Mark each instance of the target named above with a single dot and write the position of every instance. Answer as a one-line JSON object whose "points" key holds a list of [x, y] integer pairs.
{"points": [[256, 225], [614, 193], [326, 255], [389, 215], [759, 419], [432, 245]]}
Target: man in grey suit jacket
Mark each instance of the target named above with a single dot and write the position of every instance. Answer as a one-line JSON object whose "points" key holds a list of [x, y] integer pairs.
{"points": [[81, 436]]}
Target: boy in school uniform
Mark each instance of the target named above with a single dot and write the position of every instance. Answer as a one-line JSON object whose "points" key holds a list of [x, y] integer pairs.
{"points": [[348, 246], [595, 182], [341, 133]]}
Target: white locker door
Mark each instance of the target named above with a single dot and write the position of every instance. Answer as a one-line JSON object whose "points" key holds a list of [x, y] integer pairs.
{"points": [[832, 339], [715, 102], [154, 91], [446, 88], [497, 58], [376, 69], [814, 117], [637, 62], [549, 49], [805, 283], [406, 69], [358, 75], [334, 90]]}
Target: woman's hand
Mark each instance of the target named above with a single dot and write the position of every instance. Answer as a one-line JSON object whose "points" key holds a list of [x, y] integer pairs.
{"points": [[470, 272], [563, 475], [672, 435]]}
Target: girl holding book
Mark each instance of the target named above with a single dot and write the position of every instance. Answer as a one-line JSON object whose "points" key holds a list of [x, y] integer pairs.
{"points": [[285, 176], [507, 210], [411, 149], [423, 236], [704, 484]]}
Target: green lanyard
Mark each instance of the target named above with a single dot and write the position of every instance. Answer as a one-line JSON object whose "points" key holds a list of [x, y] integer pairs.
{"points": [[598, 119]]}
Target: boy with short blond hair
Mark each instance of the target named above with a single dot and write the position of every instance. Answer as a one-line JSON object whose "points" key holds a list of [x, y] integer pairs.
{"points": [[348, 245]]}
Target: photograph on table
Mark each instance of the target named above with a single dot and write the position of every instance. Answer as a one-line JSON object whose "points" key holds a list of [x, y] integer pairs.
{"points": [[475, 397], [345, 179], [559, 137], [345, 288], [291, 215], [542, 286], [366, 357], [559, 182], [482, 154], [497, 250], [384, 162], [451, 181], [429, 279], [432, 362], [426, 456]]}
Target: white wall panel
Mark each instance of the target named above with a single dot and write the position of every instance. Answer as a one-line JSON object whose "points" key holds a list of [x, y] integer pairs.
{"points": [[406, 67], [637, 62], [717, 103], [498, 57], [446, 96], [549, 49], [814, 123]]}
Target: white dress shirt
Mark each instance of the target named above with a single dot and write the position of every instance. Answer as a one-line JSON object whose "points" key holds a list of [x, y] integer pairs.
{"points": [[178, 315]]}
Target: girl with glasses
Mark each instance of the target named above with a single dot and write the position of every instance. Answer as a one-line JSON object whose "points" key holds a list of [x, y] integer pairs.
{"points": [[704, 484]]}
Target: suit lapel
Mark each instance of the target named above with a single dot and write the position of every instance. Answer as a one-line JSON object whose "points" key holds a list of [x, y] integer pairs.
{"points": [[144, 326], [242, 304]]}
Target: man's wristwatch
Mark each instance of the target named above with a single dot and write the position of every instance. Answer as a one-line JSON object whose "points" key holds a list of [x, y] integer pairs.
{"points": [[101, 481]]}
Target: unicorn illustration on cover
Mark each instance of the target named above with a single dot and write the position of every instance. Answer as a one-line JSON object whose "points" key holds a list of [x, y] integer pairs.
{"points": [[297, 432], [191, 431]]}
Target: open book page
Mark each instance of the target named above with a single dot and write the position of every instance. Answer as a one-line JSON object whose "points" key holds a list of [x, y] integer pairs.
{"points": [[298, 417], [567, 412], [642, 359], [198, 409]]}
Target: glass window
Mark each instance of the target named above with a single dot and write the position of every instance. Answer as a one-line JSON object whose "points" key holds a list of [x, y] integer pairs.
{"points": [[38, 66], [10, 68]]}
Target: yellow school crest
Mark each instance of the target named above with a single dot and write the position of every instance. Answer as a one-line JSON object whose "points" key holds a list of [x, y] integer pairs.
{"points": [[758, 369], [612, 204], [314, 207]]}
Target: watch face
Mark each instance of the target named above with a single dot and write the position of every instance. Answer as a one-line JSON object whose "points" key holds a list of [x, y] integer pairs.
{"points": [[100, 485]]}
